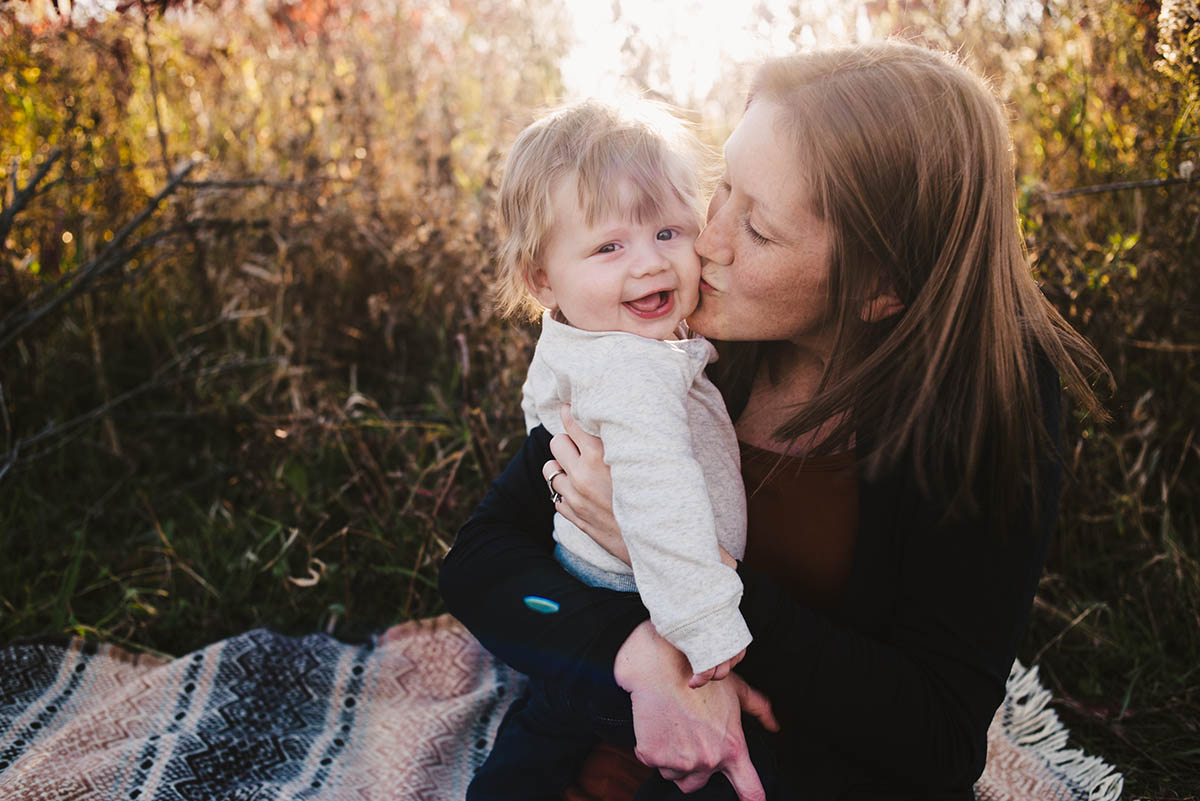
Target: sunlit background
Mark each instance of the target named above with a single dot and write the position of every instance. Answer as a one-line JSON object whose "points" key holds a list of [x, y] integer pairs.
{"points": [[679, 50], [694, 40]]}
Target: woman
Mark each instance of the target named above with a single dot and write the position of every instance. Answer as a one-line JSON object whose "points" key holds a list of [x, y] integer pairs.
{"points": [[893, 374]]}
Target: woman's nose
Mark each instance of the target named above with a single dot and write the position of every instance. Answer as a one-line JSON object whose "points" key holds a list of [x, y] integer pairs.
{"points": [[714, 242]]}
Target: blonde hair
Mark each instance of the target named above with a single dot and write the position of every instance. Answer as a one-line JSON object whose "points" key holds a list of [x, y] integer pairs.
{"points": [[599, 145], [909, 157]]}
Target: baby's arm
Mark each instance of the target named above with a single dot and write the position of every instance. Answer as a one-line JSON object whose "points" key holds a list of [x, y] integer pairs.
{"points": [[662, 504]]}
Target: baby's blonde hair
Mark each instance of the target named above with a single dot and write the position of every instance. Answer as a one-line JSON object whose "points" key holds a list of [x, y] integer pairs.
{"points": [[600, 145]]}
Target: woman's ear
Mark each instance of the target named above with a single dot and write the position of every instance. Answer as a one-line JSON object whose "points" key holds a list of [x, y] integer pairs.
{"points": [[540, 288], [885, 304]]}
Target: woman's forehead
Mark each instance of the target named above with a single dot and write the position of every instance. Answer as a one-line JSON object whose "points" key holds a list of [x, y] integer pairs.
{"points": [[762, 163]]}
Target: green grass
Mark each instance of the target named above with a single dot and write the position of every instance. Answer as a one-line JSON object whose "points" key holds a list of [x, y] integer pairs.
{"points": [[205, 523]]}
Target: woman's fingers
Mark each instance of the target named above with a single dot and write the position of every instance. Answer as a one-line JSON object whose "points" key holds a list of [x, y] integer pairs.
{"points": [[755, 703], [687, 735], [552, 471], [739, 770], [565, 452], [584, 442], [744, 778], [585, 485]]}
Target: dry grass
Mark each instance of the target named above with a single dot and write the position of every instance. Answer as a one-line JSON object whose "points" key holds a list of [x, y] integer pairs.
{"points": [[276, 400]]}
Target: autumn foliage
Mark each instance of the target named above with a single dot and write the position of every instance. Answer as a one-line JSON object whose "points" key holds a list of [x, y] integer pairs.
{"points": [[249, 373]]}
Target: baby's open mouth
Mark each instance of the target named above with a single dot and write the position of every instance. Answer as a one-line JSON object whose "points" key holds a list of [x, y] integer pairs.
{"points": [[656, 304]]}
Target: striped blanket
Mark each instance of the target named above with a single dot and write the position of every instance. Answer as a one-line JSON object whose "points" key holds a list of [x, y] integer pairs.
{"points": [[409, 715]]}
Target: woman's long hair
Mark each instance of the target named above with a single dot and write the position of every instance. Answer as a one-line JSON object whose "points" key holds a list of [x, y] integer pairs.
{"points": [[909, 158]]}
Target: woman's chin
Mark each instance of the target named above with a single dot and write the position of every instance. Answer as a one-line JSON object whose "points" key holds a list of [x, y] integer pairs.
{"points": [[702, 321]]}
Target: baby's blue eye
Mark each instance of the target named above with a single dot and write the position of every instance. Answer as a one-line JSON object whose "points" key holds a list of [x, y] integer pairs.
{"points": [[609, 248], [665, 235]]}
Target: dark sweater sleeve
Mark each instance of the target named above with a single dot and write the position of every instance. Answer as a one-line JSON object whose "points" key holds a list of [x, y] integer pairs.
{"points": [[503, 556], [911, 700]]}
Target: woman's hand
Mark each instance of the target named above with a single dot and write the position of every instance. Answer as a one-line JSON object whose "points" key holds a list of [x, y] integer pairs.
{"points": [[688, 734], [585, 485]]}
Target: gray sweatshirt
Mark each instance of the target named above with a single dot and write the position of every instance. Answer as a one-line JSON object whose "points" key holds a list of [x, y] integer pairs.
{"points": [[677, 484]]}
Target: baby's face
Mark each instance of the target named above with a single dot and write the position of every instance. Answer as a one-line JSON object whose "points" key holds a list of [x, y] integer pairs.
{"points": [[620, 275]]}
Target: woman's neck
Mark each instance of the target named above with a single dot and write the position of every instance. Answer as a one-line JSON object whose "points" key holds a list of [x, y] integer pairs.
{"points": [[787, 376]]}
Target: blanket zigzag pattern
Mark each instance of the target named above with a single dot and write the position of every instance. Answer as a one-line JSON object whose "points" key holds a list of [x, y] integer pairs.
{"points": [[410, 715]]}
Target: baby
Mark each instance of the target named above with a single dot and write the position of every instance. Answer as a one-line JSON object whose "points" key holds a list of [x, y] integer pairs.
{"points": [[600, 207]]}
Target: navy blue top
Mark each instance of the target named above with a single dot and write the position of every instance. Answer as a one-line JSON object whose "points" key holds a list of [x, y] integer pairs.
{"points": [[887, 695]]}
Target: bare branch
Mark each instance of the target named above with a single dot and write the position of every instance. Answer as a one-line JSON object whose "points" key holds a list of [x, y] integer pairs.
{"points": [[7, 422], [111, 256], [1166, 347], [156, 382], [1116, 187], [123, 256], [21, 197], [247, 183], [162, 135]]}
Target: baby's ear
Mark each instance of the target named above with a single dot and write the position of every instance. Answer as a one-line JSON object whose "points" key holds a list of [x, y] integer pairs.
{"points": [[539, 287]]}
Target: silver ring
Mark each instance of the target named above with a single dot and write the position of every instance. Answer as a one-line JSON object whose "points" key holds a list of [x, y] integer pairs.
{"points": [[555, 497]]}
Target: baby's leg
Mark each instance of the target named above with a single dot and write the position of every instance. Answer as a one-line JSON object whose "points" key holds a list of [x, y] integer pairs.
{"points": [[537, 753]]}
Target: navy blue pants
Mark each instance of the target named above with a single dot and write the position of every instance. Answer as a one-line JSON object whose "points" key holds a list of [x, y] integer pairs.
{"points": [[545, 737]]}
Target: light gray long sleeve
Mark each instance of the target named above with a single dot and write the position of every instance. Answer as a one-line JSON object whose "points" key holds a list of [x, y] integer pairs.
{"points": [[677, 486]]}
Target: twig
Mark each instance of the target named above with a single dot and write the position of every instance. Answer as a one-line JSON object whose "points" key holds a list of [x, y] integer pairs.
{"points": [[172, 553], [437, 507], [1115, 187], [15, 318], [106, 260], [110, 429], [154, 383], [188, 226], [232, 183], [162, 135], [248, 183], [8, 448], [1071, 625], [412, 584], [1168, 347], [432, 533], [73, 180], [8, 423], [21, 197]]}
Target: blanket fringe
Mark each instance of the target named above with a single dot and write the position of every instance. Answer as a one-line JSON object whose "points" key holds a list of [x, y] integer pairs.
{"points": [[1034, 726]]}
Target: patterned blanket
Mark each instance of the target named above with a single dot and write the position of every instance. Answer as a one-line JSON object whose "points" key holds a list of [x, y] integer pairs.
{"points": [[408, 716]]}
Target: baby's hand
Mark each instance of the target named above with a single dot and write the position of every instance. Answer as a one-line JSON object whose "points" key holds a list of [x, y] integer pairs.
{"points": [[716, 673]]}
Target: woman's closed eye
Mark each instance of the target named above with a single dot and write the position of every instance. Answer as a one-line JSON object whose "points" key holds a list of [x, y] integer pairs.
{"points": [[755, 236]]}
